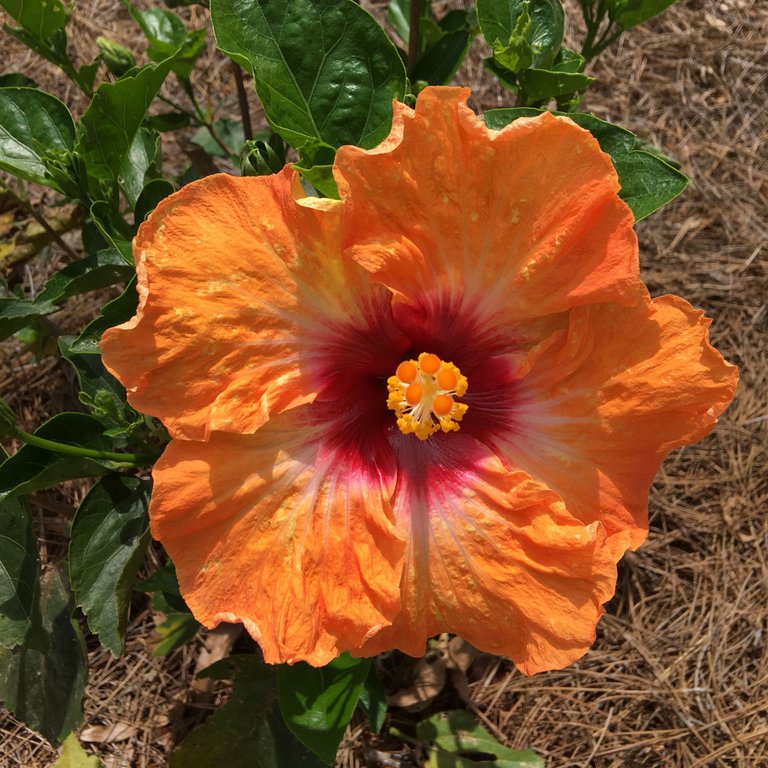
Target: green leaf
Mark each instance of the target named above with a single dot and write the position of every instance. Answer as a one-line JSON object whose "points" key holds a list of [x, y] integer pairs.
{"points": [[74, 756], [438, 64], [114, 312], [115, 229], [399, 16], [154, 191], [647, 181], [544, 84], [40, 18], [16, 314], [248, 730], [118, 58], [32, 122], [229, 131], [107, 267], [111, 122], [321, 178], [142, 164], [19, 574], [317, 703], [177, 630], [498, 19], [32, 468], [16, 80], [457, 740], [45, 690], [325, 71], [516, 54], [630, 13], [168, 36], [373, 699], [110, 533], [167, 121]]}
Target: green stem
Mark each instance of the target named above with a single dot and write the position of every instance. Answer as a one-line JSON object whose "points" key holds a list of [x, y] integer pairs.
{"points": [[414, 41], [133, 459]]}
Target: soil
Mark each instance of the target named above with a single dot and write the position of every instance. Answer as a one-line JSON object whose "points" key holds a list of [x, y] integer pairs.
{"points": [[679, 673]]}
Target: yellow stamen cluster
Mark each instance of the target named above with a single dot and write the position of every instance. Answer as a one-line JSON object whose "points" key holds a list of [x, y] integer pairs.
{"points": [[422, 394]]}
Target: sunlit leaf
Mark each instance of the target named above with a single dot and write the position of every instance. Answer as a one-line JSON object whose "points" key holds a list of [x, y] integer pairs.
{"points": [[40, 18], [317, 702], [74, 756], [142, 164]]}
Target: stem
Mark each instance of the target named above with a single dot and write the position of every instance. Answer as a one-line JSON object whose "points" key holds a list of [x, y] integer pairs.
{"points": [[242, 98], [24, 203], [133, 459], [413, 35]]}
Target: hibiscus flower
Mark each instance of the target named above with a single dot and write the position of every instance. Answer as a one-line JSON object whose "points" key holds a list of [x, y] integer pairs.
{"points": [[434, 405]]}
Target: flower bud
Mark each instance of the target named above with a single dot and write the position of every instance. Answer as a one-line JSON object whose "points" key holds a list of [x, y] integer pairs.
{"points": [[117, 57]]}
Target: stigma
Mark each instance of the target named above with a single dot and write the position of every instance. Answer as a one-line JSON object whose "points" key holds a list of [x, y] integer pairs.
{"points": [[423, 393]]}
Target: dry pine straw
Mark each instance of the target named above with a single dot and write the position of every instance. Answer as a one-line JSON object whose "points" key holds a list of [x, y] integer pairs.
{"points": [[679, 673]]}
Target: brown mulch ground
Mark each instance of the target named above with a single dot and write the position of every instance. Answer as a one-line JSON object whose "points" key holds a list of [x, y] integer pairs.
{"points": [[679, 674]]}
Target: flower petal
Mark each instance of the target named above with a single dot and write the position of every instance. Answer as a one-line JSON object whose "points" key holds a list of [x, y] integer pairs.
{"points": [[513, 224], [600, 406], [284, 533], [494, 557], [239, 283]]}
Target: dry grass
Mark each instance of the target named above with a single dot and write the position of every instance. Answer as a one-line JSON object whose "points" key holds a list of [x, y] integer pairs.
{"points": [[679, 674]]}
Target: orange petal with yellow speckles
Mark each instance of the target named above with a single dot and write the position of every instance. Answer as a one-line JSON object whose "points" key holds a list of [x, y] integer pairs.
{"points": [[238, 283], [279, 531], [496, 558], [600, 405], [511, 224]]}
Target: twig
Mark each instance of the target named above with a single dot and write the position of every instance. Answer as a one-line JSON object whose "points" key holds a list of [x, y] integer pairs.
{"points": [[413, 35], [242, 98]]}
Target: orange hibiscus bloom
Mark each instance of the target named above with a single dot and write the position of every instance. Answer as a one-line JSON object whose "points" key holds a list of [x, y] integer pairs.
{"points": [[435, 405]]}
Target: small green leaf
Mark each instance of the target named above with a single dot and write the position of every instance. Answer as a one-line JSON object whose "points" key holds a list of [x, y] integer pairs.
{"points": [[229, 131], [142, 164], [438, 64], [19, 574], [32, 468], [114, 227], [516, 54], [110, 533], [248, 730], [630, 13], [154, 191], [373, 699], [107, 267], [456, 740], [177, 630], [647, 181], [110, 123], [543, 84], [321, 178], [45, 690], [16, 80], [114, 312], [16, 314], [32, 122], [498, 19], [118, 58], [317, 702], [399, 16], [74, 756], [325, 73], [40, 18]]}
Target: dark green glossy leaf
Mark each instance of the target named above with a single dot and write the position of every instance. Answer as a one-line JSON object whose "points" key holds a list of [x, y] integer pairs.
{"points": [[107, 267], [439, 63], [115, 229], [373, 699], [167, 121], [248, 730], [16, 80], [154, 191], [19, 574], [456, 740], [142, 164], [325, 71], [317, 703], [32, 122], [110, 533], [498, 19], [45, 690], [630, 13], [31, 468], [647, 181], [110, 123], [40, 18], [117, 311]]}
